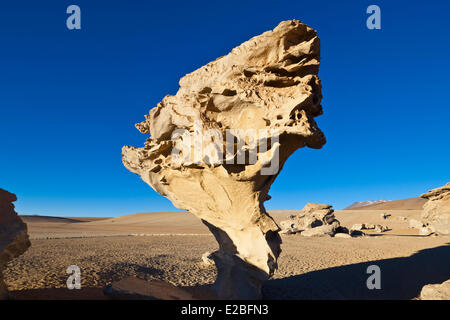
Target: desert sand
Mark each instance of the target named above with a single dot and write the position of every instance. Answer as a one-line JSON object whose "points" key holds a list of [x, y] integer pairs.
{"points": [[168, 246]]}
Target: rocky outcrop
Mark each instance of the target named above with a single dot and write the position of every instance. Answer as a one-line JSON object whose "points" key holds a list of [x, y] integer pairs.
{"points": [[217, 146], [13, 235], [436, 291], [436, 211], [312, 221]]}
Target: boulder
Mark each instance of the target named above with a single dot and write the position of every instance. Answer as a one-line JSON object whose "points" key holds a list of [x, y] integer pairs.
{"points": [[13, 235], [436, 211], [342, 235], [357, 233], [218, 144], [436, 291], [322, 231], [342, 229]]}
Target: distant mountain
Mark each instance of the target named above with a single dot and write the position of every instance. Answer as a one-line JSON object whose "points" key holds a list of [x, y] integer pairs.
{"points": [[404, 204], [48, 219], [360, 204]]}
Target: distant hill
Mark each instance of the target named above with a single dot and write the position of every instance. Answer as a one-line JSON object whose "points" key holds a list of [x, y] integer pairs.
{"points": [[404, 204], [360, 204], [48, 219]]}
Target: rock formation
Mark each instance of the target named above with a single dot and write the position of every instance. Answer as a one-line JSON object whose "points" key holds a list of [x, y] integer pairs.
{"points": [[312, 221], [436, 291], [13, 235], [217, 146], [436, 211]]}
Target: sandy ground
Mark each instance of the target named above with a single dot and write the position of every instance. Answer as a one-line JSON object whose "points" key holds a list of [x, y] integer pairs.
{"points": [[309, 268]]}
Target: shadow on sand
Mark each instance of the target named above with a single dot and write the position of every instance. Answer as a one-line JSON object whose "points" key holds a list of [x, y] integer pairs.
{"points": [[401, 278]]}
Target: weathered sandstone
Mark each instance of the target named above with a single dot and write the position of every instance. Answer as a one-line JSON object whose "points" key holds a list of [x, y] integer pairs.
{"points": [[13, 235], [436, 211], [436, 291], [312, 221], [217, 146]]}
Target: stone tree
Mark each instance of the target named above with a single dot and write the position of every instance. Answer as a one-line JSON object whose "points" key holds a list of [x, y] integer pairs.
{"points": [[216, 147]]}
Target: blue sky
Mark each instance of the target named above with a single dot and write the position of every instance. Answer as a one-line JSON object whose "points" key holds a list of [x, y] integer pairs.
{"points": [[69, 98]]}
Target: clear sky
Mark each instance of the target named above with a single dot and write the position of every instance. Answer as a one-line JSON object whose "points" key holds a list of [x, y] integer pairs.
{"points": [[69, 98]]}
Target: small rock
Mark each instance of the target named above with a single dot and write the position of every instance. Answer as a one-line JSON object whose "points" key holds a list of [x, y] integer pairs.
{"points": [[415, 224], [426, 231], [384, 216], [359, 226], [379, 228], [289, 231], [357, 233], [342, 229], [342, 235], [207, 259]]}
